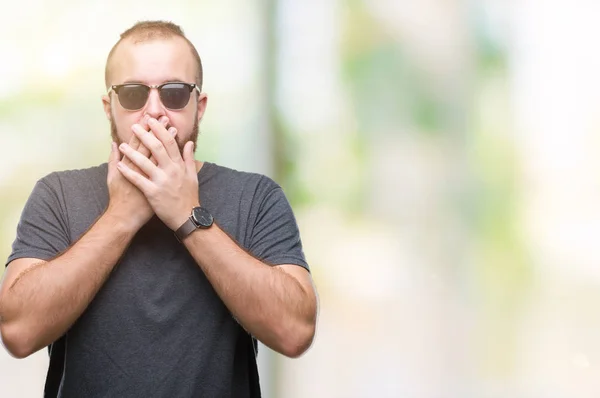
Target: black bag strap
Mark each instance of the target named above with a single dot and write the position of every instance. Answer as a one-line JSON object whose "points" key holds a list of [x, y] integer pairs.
{"points": [[253, 367], [56, 367]]}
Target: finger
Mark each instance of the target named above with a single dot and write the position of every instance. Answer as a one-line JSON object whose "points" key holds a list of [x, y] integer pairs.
{"points": [[134, 142], [144, 164], [172, 131], [153, 144], [142, 149], [164, 121], [146, 153], [166, 139], [113, 158], [141, 182], [188, 157]]}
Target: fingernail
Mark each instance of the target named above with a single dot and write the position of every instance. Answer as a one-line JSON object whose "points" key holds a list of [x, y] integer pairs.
{"points": [[146, 117], [173, 131]]}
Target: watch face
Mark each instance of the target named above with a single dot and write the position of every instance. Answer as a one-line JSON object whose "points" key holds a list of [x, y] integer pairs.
{"points": [[202, 217]]}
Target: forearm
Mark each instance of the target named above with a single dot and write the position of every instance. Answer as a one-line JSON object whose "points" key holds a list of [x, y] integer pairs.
{"points": [[267, 301], [47, 298]]}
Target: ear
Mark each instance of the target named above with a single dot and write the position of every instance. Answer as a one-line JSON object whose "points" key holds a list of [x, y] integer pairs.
{"points": [[202, 100], [106, 105]]}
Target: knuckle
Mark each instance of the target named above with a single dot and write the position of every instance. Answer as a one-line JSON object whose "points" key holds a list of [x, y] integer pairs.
{"points": [[171, 175], [151, 192], [155, 146], [170, 141], [163, 177], [144, 150]]}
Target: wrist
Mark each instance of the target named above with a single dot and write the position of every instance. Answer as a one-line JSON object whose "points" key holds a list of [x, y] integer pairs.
{"points": [[182, 217], [121, 222], [200, 218]]}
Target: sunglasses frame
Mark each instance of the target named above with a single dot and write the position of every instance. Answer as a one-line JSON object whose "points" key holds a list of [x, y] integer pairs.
{"points": [[117, 87]]}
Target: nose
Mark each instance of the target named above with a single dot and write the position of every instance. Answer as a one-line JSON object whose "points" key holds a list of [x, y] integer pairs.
{"points": [[154, 106]]}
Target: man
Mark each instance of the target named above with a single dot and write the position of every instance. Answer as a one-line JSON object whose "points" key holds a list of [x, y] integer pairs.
{"points": [[148, 275]]}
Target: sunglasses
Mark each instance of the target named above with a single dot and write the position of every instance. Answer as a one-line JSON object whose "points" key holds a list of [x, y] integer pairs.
{"points": [[174, 96]]}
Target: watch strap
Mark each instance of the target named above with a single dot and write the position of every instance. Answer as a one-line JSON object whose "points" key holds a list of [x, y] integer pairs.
{"points": [[186, 228]]}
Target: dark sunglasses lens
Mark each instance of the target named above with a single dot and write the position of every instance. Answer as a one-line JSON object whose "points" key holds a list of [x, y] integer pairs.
{"points": [[175, 95], [133, 96]]}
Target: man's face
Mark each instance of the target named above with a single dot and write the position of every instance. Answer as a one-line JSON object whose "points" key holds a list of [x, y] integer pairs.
{"points": [[152, 63]]}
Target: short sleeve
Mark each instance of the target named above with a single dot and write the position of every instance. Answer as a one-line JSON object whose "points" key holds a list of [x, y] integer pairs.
{"points": [[275, 237], [42, 231]]}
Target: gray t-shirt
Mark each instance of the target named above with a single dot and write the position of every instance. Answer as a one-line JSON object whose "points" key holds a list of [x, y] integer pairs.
{"points": [[157, 328]]}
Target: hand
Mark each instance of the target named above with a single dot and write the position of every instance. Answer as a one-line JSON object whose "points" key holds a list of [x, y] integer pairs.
{"points": [[170, 185], [126, 202], [141, 148]]}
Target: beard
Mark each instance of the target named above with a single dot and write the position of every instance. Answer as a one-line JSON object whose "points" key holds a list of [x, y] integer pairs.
{"points": [[191, 135]]}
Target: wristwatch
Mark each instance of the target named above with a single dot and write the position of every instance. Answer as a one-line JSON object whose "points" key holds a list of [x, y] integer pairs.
{"points": [[200, 218]]}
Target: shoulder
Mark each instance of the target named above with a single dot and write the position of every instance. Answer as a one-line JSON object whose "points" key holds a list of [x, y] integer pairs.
{"points": [[66, 185], [57, 179], [236, 179]]}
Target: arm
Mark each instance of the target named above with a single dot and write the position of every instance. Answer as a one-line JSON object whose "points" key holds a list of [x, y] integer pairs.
{"points": [[40, 300], [278, 305]]}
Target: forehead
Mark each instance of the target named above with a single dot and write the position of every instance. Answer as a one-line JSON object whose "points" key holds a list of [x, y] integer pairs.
{"points": [[153, 62]]}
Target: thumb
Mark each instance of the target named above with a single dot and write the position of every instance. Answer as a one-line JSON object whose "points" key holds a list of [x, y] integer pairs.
{"points": [[188, 157], [113, 158], [114, 154]]}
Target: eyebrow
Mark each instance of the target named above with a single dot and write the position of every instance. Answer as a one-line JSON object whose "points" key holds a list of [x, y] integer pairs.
{"points": [[170, 80]]}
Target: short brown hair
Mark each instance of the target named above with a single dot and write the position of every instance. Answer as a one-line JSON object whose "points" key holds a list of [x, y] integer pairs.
{"points": [[151, 30]]}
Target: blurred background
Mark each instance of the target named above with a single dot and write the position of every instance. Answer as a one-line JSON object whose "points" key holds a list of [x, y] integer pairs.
{"points": [[440, 155]]}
